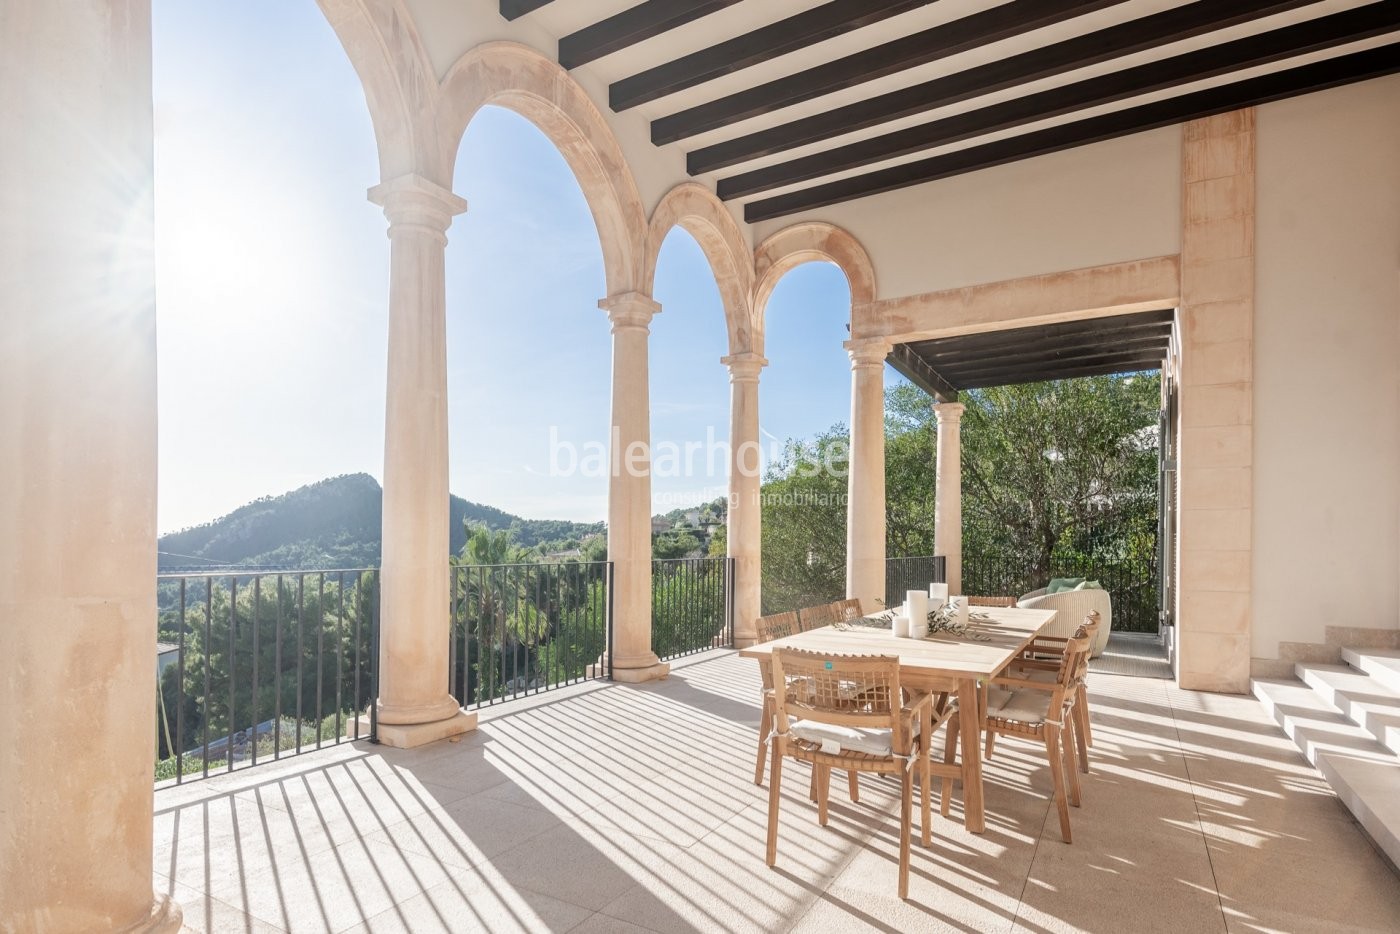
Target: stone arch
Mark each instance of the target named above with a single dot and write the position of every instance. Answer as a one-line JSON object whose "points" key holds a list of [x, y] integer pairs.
{"points": [[383, 46], [697, 210], [518, 77], [813, 241]]}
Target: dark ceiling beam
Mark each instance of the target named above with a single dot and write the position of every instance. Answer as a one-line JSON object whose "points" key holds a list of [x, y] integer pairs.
{"points": [[1262, 49], [939, 355], [1013, 337], [918, 372], [514, 9], [1107, 368], [954, 368], [1145, 33], [1087, 355], [752, 48], [920, 48], [641, 22], [1305, 79]]}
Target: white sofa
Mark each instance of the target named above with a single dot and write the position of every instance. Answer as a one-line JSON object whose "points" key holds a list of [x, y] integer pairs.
{"points": [[1073, 606]]}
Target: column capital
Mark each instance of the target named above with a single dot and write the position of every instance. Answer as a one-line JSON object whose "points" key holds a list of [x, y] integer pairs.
{"points": [[948, 412], [868, 352], [744, 367], [415, 201], [630, 310]]}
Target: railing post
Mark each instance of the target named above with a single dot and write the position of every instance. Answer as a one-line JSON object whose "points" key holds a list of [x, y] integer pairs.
{"points": [[729, 600], [609, 620], [374, 662]]}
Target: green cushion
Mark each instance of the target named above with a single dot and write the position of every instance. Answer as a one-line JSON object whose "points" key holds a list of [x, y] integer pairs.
{"points": [[1090, 585], [1061, 584]]}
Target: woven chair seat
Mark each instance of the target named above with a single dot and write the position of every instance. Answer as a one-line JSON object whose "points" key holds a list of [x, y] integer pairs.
{"points": [[1028, 707], [844, 739]]}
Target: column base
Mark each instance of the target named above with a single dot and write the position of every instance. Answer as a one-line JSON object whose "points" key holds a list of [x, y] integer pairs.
{"points": [[743, 642], [653, 672], [410, 735], [165, 918]]}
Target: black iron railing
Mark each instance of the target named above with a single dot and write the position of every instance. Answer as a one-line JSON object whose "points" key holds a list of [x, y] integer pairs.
{"points": [[519, 629], [1132, 584], [905, 574], [252, 667], [692, 605]]}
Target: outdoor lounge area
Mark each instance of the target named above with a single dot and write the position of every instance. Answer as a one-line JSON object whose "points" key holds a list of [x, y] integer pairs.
{"points": [[1015, 192], [611, 808]]}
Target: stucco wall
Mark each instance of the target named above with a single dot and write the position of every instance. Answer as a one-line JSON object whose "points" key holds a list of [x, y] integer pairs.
{"points": [[1327, 365], [1108, 203]]}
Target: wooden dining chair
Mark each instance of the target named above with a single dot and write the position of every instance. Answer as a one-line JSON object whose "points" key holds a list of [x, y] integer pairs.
{"points": [[991, 601], [1041, 711], [849, 608], [776, 626], [845, 712], [1040, 661], [816, 617]]}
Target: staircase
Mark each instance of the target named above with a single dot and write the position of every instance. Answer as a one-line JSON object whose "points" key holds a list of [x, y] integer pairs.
{"points": [[1346, 720]]}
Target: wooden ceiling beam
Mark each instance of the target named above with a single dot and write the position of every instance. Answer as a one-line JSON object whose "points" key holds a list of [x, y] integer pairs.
{"points": [[637, 24], [961, 373], [1013, 337], [752, 48], [514, 9], [1250, 52], [920, 48], [917, 371], [939, 355], [1305, 79], [1138, 35], [1107, 368]]}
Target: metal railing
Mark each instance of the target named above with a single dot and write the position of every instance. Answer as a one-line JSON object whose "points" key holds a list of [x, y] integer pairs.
{"points": [[1133, 585], [252, 667], [692, 605], [520, 629], [905, 574]]}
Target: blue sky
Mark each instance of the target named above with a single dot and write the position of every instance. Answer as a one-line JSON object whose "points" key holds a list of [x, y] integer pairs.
{"points": [[272, 277]]}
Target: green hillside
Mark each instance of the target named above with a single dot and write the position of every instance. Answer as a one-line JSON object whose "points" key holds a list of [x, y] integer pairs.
{"points": [[336, 524]]}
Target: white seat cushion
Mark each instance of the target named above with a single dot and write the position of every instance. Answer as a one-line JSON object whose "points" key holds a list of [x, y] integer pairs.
{"points": [[873, 742], [1023, 706]]}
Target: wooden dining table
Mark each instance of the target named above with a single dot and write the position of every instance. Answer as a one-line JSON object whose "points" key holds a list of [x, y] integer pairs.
{"points": [[943, 663]]}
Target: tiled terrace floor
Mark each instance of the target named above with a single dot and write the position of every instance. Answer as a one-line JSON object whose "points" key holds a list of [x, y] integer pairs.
{"points": [[619, 808]]}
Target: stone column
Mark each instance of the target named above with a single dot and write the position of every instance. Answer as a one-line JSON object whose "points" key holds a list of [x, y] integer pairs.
{"points": [[629, 489], [947, 507], [77, 469], [415, 603], [865, 508], [1215, 605], [745, 527]]}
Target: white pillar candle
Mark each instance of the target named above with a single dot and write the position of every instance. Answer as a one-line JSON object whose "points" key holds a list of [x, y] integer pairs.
{"points": [[900, 627], [916, 605], [937, 595]]}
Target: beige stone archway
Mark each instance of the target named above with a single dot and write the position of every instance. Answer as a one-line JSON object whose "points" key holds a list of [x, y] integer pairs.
{"points": [[694, 208], [814, 241], [518, 77], [383, 46], [521, 79]]}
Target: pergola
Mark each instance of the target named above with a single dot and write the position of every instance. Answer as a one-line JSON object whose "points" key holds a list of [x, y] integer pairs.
{"points": [[1046, 189]]}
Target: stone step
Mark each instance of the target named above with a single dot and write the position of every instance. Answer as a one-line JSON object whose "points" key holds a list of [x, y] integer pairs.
{"points": [[1361, 698], [1381, 664], [1364, 774]]}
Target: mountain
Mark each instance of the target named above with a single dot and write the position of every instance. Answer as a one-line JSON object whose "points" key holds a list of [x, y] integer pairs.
{"points": [[335, 524]]}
